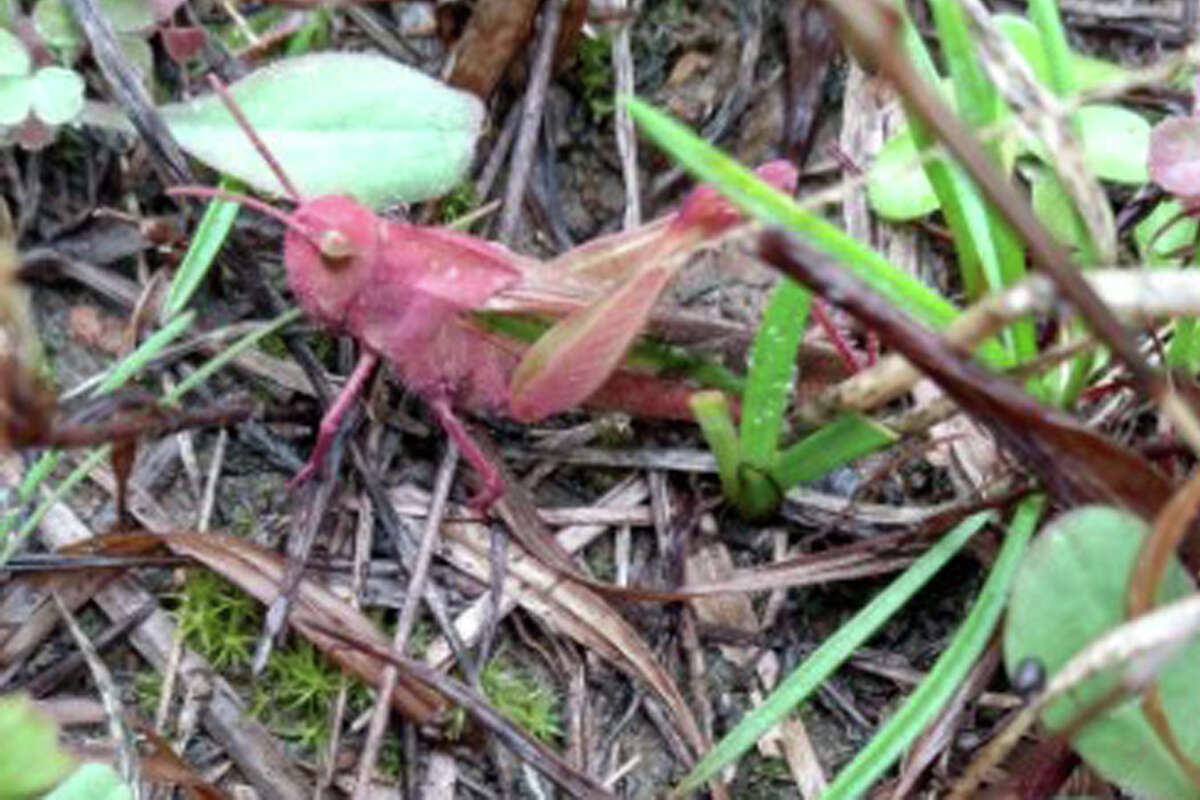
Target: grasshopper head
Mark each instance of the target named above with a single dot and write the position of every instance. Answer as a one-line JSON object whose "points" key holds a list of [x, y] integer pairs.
{"points": [[330, 252]]}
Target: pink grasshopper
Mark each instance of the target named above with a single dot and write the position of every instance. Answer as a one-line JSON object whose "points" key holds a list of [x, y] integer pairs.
{"points": [[405, 292]]}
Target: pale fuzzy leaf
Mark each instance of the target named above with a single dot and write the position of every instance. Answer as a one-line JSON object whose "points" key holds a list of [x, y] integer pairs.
{"points": [[339, 123], [57, 27], [1116, 143]]}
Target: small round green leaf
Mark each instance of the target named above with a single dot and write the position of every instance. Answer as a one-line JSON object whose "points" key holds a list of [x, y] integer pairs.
{"points": [[57, 95], [348, 123], [30, 759], [1164, 232], [16, 98], [55, 24], [1070, 590], [14, 58], [1116, 143], [897, 188]]}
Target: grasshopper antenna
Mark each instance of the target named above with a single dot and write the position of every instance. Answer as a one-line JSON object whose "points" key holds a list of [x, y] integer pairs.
{"points": [[223, 92]]}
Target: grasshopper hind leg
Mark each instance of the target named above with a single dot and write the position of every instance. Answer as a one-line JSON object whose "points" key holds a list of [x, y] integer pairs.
{"points": [[493, 482]]}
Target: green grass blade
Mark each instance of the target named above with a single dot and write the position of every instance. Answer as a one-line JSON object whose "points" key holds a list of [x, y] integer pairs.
{"points": [[775, 208], [1184, 350], [1002, 256], [716, 423], [206, 370], [89, 463], [133, 363], [848, 437], [772, 374], [210, 234], [907, 723], [1044, 16], [829, 656], [32, 479]]}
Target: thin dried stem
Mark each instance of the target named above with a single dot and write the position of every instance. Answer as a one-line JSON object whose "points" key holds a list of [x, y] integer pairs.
{"points": [[223, 92]]}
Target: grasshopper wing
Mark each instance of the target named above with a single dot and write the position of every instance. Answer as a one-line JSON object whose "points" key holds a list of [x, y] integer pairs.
{"points": [[575, 357]]}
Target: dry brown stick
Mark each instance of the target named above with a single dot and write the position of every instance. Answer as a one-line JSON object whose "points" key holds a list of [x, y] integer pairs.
{"points": [[110, 696], [300, 542], [418, 573], [531, 121], [130, 94], [622, 61], [499, 153]]}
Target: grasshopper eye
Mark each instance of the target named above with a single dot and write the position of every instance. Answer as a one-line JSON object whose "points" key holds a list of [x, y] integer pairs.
{"points": [[335, 245]]}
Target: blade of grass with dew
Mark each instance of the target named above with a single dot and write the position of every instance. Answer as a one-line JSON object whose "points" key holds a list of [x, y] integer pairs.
{"points": [[711, 410], [210, 234], [848, 437], [773, 207], [133, 363], [829, 656], [771, 380], [962, 205], [981, 107], [951, 668]]}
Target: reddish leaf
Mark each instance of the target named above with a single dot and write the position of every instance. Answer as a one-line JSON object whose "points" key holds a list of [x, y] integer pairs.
{"points": [[183, 43], [1175, 157]]}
